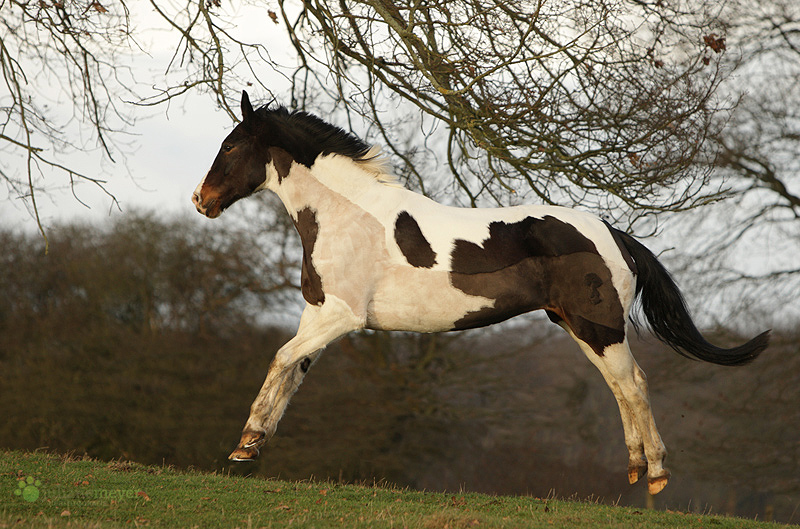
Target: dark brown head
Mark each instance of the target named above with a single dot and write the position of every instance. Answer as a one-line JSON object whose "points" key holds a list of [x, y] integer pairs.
{"points": [[239, 168], [268, 138]]}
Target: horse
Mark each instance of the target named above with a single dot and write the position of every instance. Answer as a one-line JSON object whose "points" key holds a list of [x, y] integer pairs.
{"points": [[376, 255]]}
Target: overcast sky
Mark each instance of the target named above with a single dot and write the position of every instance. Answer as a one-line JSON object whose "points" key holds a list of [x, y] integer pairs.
{"points": [[169, 158], [168, 151]]}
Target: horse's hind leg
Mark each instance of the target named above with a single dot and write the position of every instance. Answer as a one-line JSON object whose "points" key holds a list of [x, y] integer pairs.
{"points": [[637, 462], [632, 382]]}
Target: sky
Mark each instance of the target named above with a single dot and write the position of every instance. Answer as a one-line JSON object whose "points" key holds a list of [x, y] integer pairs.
{"points": [[165, 154], [169, 157]]}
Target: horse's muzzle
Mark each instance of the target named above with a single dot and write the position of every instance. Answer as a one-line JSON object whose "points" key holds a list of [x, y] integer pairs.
{"points": [[208, 209], [197, 201]]}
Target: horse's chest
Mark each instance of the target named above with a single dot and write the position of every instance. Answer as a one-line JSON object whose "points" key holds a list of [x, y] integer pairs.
{"points": [[349, 255]]}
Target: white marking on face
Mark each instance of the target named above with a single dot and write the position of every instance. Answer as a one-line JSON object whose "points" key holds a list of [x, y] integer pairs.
{"points": [[200, 185], [197, 196]]}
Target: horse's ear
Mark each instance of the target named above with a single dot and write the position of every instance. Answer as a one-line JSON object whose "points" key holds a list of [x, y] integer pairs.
{"points": [[247, 108]]}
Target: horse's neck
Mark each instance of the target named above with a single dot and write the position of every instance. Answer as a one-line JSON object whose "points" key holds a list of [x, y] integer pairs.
{"points": [[326, 184]]}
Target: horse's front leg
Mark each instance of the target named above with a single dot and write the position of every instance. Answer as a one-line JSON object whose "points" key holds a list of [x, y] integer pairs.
{"points": [[319, 326]]}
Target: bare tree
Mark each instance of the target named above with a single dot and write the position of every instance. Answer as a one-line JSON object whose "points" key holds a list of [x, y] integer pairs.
{"points": [[63, 79], [602, 104], [751, 257], [573, 101]]}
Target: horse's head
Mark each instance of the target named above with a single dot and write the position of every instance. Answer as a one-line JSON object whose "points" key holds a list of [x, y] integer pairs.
{"points": [[239, 168], [261, 151]]}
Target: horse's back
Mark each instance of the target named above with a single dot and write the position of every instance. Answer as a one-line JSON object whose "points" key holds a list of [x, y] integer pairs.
{"points": [[457, 268], [450, 232]]}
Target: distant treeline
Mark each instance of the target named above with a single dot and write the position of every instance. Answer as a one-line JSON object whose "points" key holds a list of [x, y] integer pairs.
{"points": [[145, 340]]}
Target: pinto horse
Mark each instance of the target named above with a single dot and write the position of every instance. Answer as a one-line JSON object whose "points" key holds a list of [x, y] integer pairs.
{"points": [[379, 256]]}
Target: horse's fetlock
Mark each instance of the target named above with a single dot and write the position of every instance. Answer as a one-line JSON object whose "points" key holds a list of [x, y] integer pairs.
{"points": [[305, 365]]}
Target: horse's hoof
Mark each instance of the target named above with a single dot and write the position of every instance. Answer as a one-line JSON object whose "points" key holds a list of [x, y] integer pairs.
{"points": [[248, 446], [656, 485], [635, 472], [244, 454]]}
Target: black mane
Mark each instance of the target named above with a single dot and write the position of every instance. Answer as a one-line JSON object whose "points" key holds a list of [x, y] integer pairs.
{"points": [[305, 136]]}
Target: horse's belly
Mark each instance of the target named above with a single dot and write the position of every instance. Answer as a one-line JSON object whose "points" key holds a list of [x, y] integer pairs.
{"points": [[409, 299]]}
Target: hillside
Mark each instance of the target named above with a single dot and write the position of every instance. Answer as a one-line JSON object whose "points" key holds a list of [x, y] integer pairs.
{"points": [[42, 490]]}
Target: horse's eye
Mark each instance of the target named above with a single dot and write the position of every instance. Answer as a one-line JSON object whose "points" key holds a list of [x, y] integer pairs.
{"points": [[227, 147]]}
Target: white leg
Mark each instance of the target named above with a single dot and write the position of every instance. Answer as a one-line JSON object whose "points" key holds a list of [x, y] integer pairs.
{"points": [[630, 378], [637, 462], [318, 327]]}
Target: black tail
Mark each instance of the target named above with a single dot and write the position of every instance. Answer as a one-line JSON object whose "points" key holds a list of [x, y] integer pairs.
{"points": [[665, 309]]}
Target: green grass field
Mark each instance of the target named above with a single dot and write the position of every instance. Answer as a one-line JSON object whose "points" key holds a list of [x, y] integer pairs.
{"points": [[44, 490]]}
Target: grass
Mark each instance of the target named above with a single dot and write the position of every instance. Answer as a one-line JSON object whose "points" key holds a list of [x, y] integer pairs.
{"points": [[63, 491]]}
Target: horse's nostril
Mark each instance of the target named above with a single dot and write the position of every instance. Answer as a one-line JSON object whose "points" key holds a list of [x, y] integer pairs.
{"points": [[196, 199]]}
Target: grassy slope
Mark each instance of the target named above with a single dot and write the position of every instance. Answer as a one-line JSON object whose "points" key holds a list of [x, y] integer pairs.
{"points": [[87, 493]]}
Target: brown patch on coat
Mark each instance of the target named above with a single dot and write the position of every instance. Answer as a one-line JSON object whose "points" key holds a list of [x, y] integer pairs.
{"points": [[540, 264], [593, 283], [282, 161], [415, 247], [310, 282]]}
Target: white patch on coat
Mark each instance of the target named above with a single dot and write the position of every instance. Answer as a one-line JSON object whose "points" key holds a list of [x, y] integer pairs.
{"points": [[358, 261], [443, 225]]}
